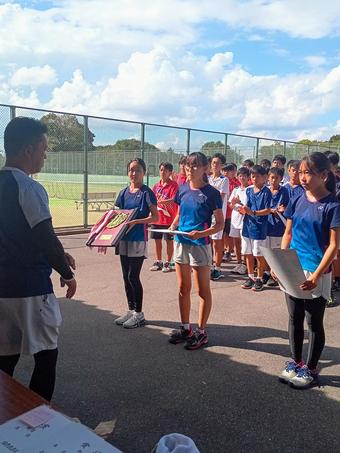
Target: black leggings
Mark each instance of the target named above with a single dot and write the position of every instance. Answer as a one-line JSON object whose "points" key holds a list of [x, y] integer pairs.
{"points": [[44, 373], [313, 310], [131, 267]]}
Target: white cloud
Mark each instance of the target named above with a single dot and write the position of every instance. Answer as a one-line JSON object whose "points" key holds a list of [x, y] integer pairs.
{"points": [[316, 60], [34, 76]]}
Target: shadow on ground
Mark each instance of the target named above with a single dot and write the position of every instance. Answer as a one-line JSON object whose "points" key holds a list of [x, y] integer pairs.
{"points": [[152, 388]]}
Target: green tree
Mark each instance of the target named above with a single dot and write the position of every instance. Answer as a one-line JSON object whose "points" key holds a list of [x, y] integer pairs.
{"points": [[335, 139], [66, 133]]}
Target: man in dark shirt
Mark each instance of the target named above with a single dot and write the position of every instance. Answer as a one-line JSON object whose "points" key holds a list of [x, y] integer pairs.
{"points": [[29, 249]]}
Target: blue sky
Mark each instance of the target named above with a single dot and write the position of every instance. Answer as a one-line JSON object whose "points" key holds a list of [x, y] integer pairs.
{"points": [[258, 67]]}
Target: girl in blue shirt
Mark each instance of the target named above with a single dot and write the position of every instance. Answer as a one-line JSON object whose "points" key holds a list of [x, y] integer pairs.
{"points": [[197, 201], [313, 230], [133, 246]]}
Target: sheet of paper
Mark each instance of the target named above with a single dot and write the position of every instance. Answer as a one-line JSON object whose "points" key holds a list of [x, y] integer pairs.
{"points": [[59, 434], [287, 268], [165, 230], [36, 416]]}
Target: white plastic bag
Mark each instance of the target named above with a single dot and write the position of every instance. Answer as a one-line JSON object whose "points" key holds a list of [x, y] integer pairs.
{"points": [[176, 443]]}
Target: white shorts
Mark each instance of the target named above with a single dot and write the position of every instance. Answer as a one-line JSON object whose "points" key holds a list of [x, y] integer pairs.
{"points": [[274, 242], [29, 324], [195, 255], [252, 246], [235, 232], [219, 235]]}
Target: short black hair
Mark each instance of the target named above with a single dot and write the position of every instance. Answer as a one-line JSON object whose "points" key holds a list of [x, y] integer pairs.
{"points": [[248, 162], [276, 171], [167, 166], [293, 163], [22, 131], [229, 167], [243, 171], [265, 163], [281, 158], [257, 169], [183, 160], [333, 156], [219, 156], [139, 162]]}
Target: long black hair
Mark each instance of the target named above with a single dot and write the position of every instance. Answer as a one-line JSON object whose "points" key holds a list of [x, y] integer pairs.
{"points": [[317, 163]]}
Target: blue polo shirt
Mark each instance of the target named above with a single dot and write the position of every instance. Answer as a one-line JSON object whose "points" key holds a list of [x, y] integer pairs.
{"points": [[255, 227], [294, 191], [196, 209], [24, 270], [142, 199], [276, 228], [311, 224]]}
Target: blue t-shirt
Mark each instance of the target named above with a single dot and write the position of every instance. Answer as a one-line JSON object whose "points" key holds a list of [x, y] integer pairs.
{"points": [[142, 199], [294, 191], [276, 227], [255, 227], [311, 224], [24, 270], [196, 209]]}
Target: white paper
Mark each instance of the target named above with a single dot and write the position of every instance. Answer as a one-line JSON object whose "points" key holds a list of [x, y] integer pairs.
{"points": [[60, 435], [164, 230], [287, 268]]}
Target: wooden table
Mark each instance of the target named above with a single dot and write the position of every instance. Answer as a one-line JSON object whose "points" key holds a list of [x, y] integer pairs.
{"points": [[15, 399]]}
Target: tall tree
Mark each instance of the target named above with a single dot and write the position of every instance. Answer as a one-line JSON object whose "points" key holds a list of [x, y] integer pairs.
{"points": [[66, 133]]}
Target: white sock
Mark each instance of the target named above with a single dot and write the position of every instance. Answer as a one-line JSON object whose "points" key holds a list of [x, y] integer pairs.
{"points": [[186, 326], [217, 268], [251, 276]]}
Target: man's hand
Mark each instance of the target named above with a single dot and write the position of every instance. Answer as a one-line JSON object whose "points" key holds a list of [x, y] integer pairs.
{"points": [[71, 286], [71, 261], [195, 235]]}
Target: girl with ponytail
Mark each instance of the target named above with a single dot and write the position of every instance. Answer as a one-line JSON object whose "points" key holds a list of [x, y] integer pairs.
{"points": [[313, 230]]}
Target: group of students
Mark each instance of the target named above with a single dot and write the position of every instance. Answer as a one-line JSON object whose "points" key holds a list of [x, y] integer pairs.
{"points": [[197, 202], [303, 214]]}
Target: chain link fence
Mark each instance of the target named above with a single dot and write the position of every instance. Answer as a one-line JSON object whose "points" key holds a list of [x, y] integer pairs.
{"points": [[88, 156]]}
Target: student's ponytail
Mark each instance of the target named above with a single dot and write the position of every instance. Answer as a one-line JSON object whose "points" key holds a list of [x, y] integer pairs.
{"points": [[317, 163]]}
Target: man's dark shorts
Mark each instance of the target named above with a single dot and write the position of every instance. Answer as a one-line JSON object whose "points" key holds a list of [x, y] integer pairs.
{"points": [[227, 224], [166, 236]]}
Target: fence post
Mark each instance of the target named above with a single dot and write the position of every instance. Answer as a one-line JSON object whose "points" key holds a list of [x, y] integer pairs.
{"points": [[188, 142], [142, 151], [257, 150], [86, 172], [284, 148], [225, 145], [12, 112]]}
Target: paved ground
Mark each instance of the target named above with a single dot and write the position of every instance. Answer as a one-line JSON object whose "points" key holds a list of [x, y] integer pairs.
{"points": [[226, 396]]}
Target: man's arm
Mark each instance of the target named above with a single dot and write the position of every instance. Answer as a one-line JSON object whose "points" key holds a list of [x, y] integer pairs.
{"points": [[47, 242]]}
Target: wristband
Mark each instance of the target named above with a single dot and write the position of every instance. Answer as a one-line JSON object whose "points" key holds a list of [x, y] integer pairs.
{"points": [[254, 213]]}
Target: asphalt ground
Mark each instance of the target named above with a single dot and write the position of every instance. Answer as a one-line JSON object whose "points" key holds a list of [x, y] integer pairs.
{"points": [[226, 397]]}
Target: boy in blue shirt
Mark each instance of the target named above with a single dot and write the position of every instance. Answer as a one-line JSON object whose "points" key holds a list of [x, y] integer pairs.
{"points": [[255, 225], [293, 185]]}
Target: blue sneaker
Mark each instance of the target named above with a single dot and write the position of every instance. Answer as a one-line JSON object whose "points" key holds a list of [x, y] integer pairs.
{"points": [[289, 371], [216, 274], [304, 378]]}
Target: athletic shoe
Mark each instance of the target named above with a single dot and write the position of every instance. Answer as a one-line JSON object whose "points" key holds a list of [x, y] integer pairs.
{"points": [[258, 285], [235, 269], [180, 335], [196, 340], [289, 371], [265, 278], [330, 302], [166, 267], [216, 274], [120, 321], [248, 284], [336, 285], [304, 378], [136, 320], [242, 269], [226, 257], [157, 266], [272, 283]]}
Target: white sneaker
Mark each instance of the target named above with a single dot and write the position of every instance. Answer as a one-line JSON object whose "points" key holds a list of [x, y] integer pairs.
{"points": [[235, 269], [136, 320], [304, 378], [120, 321], [289, 371], [242, 270], [166, 267]]}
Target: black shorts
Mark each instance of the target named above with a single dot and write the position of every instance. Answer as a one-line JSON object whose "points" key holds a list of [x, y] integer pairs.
{"points": [[227, 224], [166, 236]]}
